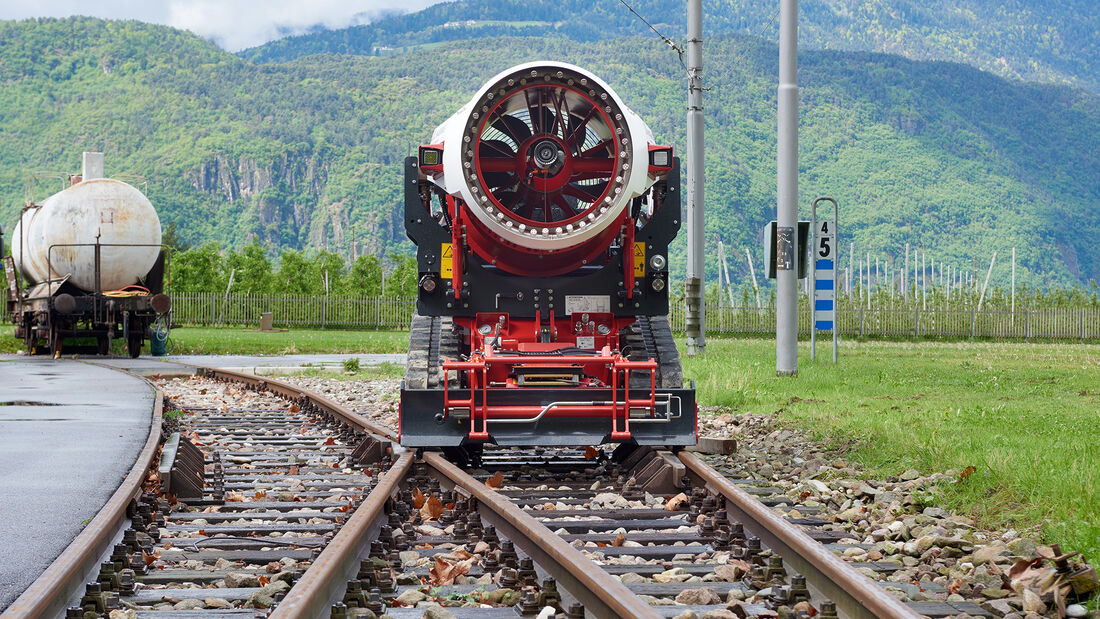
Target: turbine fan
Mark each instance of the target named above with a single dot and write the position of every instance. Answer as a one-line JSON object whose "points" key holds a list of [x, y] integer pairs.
{"points": [[546, 154]]}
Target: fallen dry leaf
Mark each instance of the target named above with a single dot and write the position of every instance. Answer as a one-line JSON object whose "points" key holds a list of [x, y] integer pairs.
{"points": [[234, 497], [444, 573], [674, 503], [967, 472], [294, 408], [591, 452], [619, 539], [418, 498], [330, 441], [293, 470], [495, 481], [433, 508]]}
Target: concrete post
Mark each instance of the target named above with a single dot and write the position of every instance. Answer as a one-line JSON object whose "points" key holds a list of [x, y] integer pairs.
{"points": [[696, 276], [786, 275]]}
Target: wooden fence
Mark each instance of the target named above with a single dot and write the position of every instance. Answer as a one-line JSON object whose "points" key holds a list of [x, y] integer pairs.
{"points": [[395, 313]]}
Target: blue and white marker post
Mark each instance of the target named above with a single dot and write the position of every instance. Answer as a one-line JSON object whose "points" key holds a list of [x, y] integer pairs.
{"points": [[823, 303]]}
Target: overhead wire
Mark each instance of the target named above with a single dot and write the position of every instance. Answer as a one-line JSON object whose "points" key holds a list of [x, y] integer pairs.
{"points": [[679, 49]]}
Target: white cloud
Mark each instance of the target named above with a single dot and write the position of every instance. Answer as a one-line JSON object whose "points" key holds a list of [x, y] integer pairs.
{"points": [[232, 24]]}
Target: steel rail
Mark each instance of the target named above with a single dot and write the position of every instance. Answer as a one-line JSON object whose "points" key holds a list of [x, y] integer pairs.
{"points": [[855, 595], [323, 583], [325, 580], [602, 594], [292, 392], [50, 593]]}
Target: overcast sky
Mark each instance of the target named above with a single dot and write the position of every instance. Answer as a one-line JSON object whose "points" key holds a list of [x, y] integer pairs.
{"points": [[232, 24]]}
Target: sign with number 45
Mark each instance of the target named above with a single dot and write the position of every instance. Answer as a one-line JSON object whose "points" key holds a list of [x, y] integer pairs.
{"points": [[824, 275]]}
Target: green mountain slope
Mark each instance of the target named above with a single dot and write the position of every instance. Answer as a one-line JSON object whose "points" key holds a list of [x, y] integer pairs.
{"points": [[307, 153], [1044, 40]]}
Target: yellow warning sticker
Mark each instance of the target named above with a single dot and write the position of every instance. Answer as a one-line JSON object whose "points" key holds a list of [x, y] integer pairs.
{"points": [[639, 259], [446, 265]]}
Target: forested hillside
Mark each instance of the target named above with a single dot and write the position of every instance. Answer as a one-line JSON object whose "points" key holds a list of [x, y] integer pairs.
{"points": [[306, 154], [1044, 40]]}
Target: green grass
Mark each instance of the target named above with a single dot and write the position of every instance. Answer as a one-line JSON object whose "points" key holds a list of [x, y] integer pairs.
{"points": [[1026, 416], [230, 341], [206, 341], [8, 343]]}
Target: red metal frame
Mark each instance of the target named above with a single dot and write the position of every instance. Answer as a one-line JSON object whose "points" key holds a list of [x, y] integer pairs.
{"points": [[496, 362]]}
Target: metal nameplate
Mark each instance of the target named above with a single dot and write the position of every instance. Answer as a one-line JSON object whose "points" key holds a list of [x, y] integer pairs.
{"points": [[587, 303]]}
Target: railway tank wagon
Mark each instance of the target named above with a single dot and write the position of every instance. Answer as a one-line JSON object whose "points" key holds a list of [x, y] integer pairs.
{"points": [[542, 212], [87, 263]]}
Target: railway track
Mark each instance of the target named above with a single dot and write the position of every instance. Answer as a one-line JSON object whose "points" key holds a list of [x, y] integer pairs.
{"points": [[277, 501]]}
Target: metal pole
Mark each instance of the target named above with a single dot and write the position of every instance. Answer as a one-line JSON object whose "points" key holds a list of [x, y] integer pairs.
{"points": [[1013, 285], [725, 272], [836, 297], [870, 285], [851, 253], [786, 276], [905, 276], [752, 272], [696, 290], [811, 295], [986, 284]]}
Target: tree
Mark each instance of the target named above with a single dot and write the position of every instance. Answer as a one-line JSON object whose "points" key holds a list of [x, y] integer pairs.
{"points": [[404, 278], [327, 265], [364, 277], [171, 239], [294, 275], [253, 270], [198, 270]]}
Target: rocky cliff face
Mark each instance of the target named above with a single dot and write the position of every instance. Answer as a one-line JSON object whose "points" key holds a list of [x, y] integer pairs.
{"points": [[233, 179], [284, 192], [302, 200]]}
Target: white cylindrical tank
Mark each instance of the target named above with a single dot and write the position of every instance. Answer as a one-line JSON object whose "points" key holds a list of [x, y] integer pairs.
{"points": [[112, 210]]}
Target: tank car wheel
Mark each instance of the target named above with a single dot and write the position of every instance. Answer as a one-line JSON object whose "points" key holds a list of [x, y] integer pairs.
{"points": [[133, 345], [102, 345]]}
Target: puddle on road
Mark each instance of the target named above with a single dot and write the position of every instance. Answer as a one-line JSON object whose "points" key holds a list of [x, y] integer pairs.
{"points": [[29, 403]]}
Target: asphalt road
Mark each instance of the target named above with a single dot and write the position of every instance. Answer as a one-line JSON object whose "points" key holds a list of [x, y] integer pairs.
{"points": [[69, 433]]}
